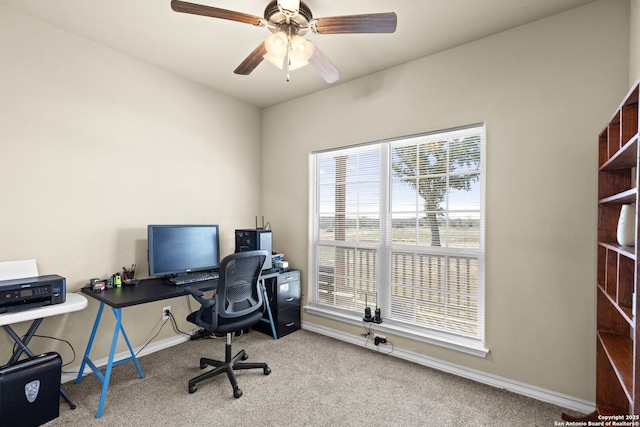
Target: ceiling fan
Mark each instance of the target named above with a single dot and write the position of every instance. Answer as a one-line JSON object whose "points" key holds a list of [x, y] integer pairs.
{"points": [[289, 21]]}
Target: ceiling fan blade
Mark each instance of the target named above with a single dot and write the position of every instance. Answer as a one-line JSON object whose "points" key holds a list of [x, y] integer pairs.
{"points": [[252, 61], [350, 24], [324, 66], [214, 12]]}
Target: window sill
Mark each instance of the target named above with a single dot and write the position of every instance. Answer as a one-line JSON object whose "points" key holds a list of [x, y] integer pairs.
{"points": [[441, 339]]}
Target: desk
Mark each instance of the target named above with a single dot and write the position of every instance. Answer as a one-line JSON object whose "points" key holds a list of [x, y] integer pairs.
{"points": [[149, 290], [73, 302]]}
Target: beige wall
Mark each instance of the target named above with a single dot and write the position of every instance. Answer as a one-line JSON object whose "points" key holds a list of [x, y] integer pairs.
{"points": [[544, 91], [95, 146]]}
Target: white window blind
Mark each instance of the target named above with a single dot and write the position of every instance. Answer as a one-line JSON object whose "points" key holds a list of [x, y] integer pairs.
{"points": [[399, 225], [349, 187], [436, 223]]}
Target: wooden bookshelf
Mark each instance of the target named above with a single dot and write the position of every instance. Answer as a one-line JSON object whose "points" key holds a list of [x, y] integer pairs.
{"points": [[618, 352]]}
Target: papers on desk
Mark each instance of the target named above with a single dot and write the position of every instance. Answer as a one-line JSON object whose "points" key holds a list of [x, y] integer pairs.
{"points": [[18, 269]]}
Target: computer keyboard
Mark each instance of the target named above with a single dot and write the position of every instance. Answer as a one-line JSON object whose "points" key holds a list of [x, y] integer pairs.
{"points": [[186, 279]]}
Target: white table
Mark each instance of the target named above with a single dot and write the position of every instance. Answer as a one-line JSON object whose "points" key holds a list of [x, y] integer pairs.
{"points": [[73, 302]]}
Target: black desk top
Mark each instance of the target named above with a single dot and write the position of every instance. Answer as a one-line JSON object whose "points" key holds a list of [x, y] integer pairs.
{"points": [[148, 290]]}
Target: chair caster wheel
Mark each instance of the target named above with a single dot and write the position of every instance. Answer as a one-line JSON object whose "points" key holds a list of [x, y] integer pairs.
{"points": [[193, 388], [203, 365], [245, 356], [237, 393], [267, 371]]}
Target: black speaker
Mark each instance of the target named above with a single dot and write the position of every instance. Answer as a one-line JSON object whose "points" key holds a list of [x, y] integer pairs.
{"points": [[30, 391], [252, 240]]}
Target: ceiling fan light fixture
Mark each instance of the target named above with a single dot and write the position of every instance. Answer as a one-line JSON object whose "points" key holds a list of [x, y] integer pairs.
{"points": [[276, 62], [289, 63], [289, 8], [297, 52], [276, 44], [301, 49], [287, 52]]}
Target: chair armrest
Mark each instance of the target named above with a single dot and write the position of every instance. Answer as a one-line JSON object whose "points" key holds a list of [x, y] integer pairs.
{"points": [[199, 296]]}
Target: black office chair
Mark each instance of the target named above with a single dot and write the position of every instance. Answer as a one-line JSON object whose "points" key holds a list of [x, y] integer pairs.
{"points": [[237, 304]]}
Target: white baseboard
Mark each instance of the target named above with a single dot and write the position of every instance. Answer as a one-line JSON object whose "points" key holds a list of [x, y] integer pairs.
{"points": [[548, 396], [71, 375]]}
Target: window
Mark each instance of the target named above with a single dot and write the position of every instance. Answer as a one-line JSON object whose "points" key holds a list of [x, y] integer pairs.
{"points": [[399, 225]]}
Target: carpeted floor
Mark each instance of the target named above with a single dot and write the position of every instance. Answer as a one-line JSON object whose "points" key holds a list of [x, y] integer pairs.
{"points": [[315, 381]]}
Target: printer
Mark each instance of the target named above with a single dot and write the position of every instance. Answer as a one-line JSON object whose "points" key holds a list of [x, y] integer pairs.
{"points": [[30, 292]]}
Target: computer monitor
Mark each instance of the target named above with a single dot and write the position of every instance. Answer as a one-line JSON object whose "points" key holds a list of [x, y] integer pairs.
{"points": [[180, 249]]}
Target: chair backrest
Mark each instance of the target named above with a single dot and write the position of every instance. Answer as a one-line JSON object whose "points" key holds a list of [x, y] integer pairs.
{"points": [[238, 292]]}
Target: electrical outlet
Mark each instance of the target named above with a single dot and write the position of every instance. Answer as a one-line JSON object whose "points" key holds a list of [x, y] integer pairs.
{"points": [[379, 339], [166, 309]]}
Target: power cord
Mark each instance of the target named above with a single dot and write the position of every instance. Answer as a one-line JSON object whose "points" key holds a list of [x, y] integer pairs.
{"points": [[367, 333], [175, 325], [389, 343], [73, 351], [153, 337], [175, 329], [367, 339]]}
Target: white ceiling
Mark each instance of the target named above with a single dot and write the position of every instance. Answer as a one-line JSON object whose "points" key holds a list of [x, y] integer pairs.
{"points": [[207, 50]]}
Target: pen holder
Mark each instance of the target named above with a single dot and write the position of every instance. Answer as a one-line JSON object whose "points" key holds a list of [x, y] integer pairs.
{"points": [[128, 274]]}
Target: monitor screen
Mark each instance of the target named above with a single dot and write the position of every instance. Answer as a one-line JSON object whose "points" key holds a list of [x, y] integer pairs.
{"points": [[176, 249]]}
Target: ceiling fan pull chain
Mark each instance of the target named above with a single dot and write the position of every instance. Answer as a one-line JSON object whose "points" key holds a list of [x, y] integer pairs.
{"points": [[286, 67], [288, 56]]}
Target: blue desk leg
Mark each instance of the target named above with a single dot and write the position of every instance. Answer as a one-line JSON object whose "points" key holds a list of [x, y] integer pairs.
{"points": [[119, 329], [117, 312], [266, 303], [86, 359]]}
